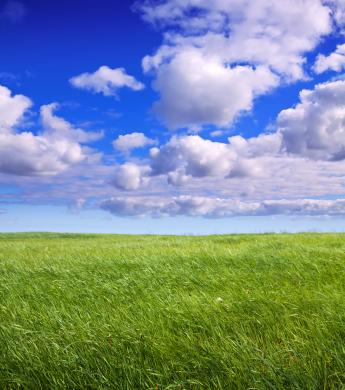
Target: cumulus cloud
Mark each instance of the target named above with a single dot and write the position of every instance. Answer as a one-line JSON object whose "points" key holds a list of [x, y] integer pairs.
{"points": [[12, 108], [199, 90], [198, 206], [106, 81], [338, 10], [28, 155], [129, 177], [23, 153], [315, 128], [335, 61], [184, 158], [194, 156], [205, 41], [126, 143], [55, 126]]}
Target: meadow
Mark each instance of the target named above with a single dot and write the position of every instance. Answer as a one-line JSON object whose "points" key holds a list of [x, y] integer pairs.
{"points": [[164, 312]]}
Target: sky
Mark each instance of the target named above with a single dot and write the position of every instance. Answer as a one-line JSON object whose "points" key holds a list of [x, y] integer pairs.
{"points": [[172, 116]]}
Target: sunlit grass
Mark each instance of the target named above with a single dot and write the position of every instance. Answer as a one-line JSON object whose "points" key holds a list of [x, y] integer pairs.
{"points": [[140, 312]]}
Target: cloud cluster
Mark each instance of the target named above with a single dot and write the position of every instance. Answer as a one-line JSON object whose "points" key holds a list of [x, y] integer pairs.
{"points": [[193, 156], [53, 150], [315, 128], [106, 81], [198, 206], [216, 58], [184, 158], [217, 55]]}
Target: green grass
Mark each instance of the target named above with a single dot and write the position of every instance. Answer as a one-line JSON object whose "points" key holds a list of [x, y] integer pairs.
{"points": [[157, 312]]}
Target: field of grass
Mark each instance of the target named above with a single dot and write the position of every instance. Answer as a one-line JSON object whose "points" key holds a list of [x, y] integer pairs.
{"points": [[157, 312]]}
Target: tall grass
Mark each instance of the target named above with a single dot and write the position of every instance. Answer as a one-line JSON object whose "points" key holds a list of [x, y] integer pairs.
{"points": [[156, 312]]}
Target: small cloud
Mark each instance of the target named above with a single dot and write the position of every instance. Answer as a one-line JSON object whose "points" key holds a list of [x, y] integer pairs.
{"points": [[126, 143], [333, 62], [106, 81], [130, 177], [217, 133]]}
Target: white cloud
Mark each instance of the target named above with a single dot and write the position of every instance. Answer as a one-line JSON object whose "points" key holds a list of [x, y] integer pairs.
{"points": [[194, 156], [106, 81], [198, 90], [315, 128], [338, 10], [129, 177], [335, 61], [55, 126], [206, 40], [186, 157], [12, 108], [198, 206], [54, 150], [29, 155], [128, 142]]}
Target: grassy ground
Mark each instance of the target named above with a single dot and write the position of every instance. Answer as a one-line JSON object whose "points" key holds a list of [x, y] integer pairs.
{"points": [[141, 312]]}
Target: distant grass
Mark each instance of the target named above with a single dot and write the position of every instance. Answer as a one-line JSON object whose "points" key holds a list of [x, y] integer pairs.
{"points": [[157, 312]]}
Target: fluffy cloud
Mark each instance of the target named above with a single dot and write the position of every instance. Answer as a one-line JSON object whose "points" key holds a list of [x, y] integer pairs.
{"points": [[183, 158], [28, 155], [128, 142], [338, 10], [106, 81], [198, 206], [55, 126], [129, 177], [194, 156], [12, 108], [188, 157], [315, 128], [335, 61], [206, 40], [199, 90], [258, 31], [52, 151]]}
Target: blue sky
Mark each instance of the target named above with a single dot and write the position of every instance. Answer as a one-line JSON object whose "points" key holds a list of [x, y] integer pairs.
{"points": [[172, 117]]}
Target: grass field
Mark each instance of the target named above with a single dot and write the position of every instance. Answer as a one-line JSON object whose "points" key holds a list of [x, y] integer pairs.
{"points": [[156, 312]]}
